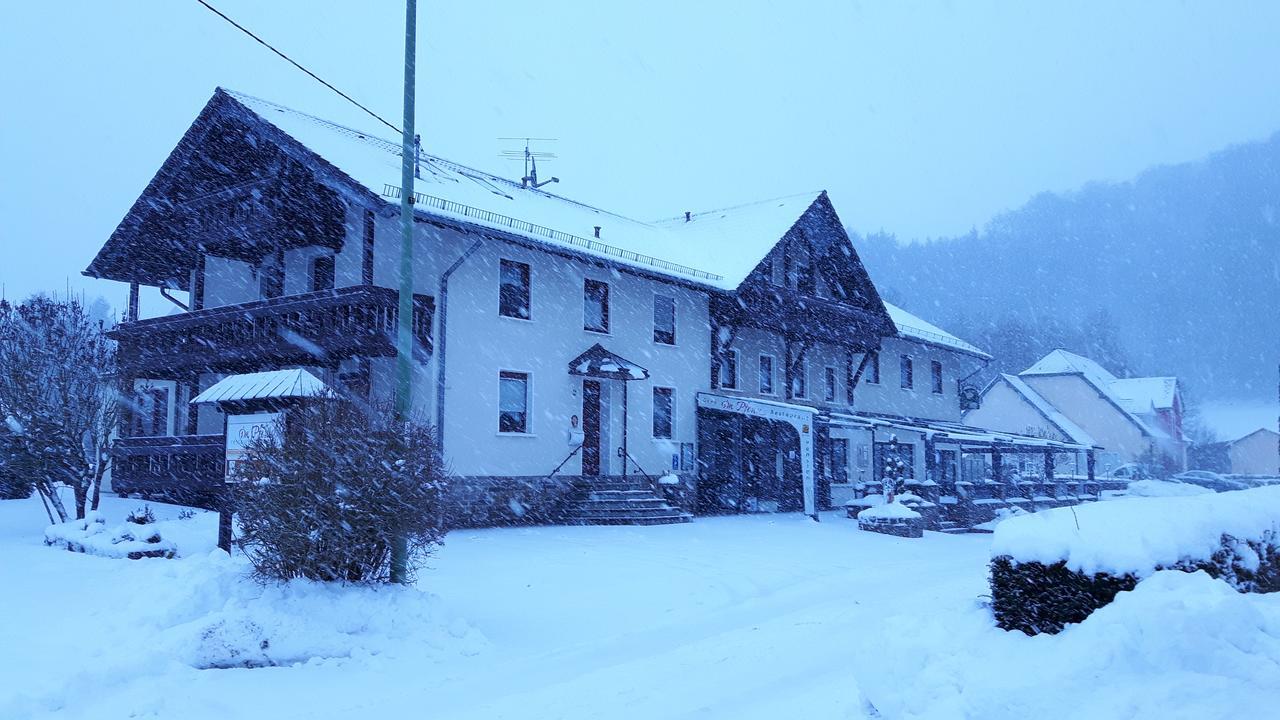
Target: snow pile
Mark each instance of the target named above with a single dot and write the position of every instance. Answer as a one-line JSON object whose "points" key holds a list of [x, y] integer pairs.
{"points": [[1140, 534], [252, 625], [1163, 488], [889, 511], [184, 534], [1002, 514], [126, 540], [1180, 645]]}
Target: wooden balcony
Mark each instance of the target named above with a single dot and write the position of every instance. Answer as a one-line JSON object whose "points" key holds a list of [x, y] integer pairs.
{"points": [[187, 469], [318, 328]]}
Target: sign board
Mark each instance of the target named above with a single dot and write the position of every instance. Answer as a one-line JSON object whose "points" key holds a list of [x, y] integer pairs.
{"points": [[801, 418], [242, 430]]}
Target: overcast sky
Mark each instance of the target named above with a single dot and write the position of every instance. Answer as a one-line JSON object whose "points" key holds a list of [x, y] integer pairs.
{"points": [[921, 118]]}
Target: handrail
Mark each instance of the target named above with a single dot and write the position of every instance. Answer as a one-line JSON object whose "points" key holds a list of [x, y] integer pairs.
{"points": [[393, 191], [627, 456], [562, 462]]}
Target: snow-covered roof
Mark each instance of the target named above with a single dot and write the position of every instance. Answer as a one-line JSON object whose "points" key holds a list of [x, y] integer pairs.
{"points": [[1127, 395], [1050, 413], [943, 431], [718, 248], [1141, 395], [914, 327], [272, 384], [1064, 362]]}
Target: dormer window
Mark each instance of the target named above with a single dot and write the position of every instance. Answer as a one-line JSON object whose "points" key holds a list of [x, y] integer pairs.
{"points": [[799, 268]]}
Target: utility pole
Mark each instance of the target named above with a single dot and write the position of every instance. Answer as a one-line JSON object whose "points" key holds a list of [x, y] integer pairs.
{"points": [[404, 324]]}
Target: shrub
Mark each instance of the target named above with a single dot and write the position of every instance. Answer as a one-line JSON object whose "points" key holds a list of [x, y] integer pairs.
{"points": [[1035, 597], [141, 516], [329, 501]]}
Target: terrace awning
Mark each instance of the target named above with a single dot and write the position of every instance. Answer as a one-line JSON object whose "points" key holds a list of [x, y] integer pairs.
{"points": [[968, 437], [597, 362], [270, 385]]}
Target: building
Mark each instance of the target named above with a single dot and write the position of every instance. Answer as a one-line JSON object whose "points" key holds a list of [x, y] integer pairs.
{"points": [[568, 356], [1255, 453], [1131, 419]]}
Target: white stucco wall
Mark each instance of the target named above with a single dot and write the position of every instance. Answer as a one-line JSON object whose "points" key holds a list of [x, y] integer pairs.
{"points": [[1255, 454], [228, 282], [481, 343], [1083, 405], [1004, 409]]}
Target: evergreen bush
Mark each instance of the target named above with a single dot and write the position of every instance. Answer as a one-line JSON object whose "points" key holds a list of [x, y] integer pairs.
{"points": [[1037, 598]]}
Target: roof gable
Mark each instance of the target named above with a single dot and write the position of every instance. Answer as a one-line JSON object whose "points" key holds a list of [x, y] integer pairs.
{"points": [[1045, 409]]}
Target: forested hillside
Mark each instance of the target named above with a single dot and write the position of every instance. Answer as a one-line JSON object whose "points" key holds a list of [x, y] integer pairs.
{"points": [[1176, 272]]}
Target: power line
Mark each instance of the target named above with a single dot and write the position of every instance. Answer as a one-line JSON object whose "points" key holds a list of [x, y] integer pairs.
{"points": [[293, 62]]}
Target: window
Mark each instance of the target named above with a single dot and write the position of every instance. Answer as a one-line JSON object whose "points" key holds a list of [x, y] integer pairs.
{"points": [[513, 290], [872, 371], [829, 384], [271, 277], [595, 306], [766, 374], [799, 268], [729, 370], [663, 413], [838, 460], [800, 380], [664, 319], [513, 402], [322, 273], [905, 372], [935, 369]]}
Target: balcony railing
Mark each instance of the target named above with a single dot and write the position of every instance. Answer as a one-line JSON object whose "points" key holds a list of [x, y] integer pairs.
{"points": [[313, 328], [186, 468]]}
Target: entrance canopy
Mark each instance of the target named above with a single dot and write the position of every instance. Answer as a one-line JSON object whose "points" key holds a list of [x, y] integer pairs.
{"points": [[968, 437], [270, 385], [597, 362], [798, 416]]}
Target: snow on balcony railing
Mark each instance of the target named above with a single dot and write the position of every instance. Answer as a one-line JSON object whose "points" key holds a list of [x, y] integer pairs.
{"points": [[492, 218]]}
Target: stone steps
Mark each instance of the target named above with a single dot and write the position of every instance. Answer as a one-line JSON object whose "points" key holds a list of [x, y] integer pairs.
{"points": [[611, 501]]}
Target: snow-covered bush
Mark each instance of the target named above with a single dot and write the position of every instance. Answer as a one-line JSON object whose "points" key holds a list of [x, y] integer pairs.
{"points": [[332, 499], [91, 535], [141, 516], [1056, 567]]}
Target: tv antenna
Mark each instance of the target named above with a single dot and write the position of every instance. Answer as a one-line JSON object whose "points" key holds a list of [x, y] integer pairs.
{"points": [[531, 157]]}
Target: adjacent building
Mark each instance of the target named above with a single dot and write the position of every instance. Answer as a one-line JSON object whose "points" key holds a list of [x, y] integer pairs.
{"points": [[1069, 395]]}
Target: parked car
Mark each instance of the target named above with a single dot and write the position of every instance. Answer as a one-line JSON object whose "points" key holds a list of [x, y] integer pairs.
{"points": [[1130, 472], [1211, 480]]}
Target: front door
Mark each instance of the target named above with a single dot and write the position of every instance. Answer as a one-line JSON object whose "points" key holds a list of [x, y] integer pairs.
{"points": [[591, 427]]}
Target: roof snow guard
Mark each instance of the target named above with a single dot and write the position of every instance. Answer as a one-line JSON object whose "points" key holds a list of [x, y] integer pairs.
{"points": [[597, 362], [270, 385]]}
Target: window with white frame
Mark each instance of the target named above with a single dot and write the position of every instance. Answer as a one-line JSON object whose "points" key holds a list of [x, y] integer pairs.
{"points": [[595, 305], [935, 374], [800, 380], [664, 319], [829, 384], [513, 402], [766, 374], [906, 373], [513, 289], [729, 370], [872, 371], [664, 413]]}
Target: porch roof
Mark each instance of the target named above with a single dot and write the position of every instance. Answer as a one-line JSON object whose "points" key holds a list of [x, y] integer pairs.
{"points": [[597, 362], [967, 436], [269, 385]]}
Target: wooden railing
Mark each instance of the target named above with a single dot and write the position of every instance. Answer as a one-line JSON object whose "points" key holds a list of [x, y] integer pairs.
{"points": [[311, 328], [186, 468]]}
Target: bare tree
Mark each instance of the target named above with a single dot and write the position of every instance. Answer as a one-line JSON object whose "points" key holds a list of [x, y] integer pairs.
{"points": [[59, 395]]}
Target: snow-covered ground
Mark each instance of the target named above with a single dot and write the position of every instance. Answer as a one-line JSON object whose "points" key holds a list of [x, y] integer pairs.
{"points": [[737, 617]]}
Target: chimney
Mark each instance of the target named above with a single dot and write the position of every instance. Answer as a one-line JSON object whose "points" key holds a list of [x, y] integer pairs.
{"points": [[597, 231], [686, 215]]}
